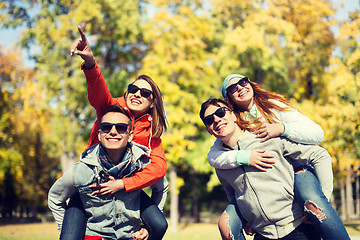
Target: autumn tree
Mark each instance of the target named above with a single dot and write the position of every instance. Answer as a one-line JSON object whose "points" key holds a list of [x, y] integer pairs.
{"points": [[25, 162], [49, 29]]}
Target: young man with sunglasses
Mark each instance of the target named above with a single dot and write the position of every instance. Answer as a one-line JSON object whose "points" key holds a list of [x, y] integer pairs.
{"points": [[113, 216], [265, 198]]}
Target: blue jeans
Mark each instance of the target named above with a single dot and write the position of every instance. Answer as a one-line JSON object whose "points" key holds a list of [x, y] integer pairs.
{"points": [[307, 189], [74, 223], [326, 220], [235, 222], [302, 232]]}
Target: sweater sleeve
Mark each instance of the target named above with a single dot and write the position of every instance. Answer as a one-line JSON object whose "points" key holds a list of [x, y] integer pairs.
{"points": [[226, 159], [159, 192], [316, 156], [300, 128], [97, 90], [62, 189], [152, 173]]}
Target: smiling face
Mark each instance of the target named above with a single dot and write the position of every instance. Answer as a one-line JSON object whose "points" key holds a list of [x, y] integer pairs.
{"points": [[243, 97], [114, 140], [138, 104], [222, 127]]}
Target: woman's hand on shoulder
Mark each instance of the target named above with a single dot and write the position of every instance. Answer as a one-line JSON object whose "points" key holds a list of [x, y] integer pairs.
{"points": [[82, 48], [269, 130]]}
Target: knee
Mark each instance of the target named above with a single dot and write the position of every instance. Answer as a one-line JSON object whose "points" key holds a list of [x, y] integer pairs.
{"points": [[224, 227], [163, 226], [158, 231], [311, 208]]}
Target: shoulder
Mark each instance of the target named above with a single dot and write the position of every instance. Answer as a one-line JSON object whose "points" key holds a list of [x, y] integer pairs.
{"points": [[280, 104], [89, 151], [121, 101]]}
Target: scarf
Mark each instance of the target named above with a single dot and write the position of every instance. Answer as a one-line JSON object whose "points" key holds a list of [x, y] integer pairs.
{"points": [[126, 167]]}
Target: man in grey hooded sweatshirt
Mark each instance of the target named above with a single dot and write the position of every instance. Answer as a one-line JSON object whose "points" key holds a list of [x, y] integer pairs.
{"points": [[266, 198], [111, 217]]}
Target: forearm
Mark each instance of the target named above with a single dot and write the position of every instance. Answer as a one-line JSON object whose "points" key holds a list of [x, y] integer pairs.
{"points": [[159, 192], [58, 194], [316, 156], [227, 159], [323, 169], [152, 173], [300, 128], [97, 91]]}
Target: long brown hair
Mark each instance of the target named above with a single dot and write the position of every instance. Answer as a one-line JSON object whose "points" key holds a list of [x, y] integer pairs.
{"points": [[157, 112], [262, 101]]}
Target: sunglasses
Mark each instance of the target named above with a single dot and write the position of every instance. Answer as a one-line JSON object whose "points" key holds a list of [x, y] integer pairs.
{"points": [[220, 112], [106, 127], [143, 91], [234, 87]]}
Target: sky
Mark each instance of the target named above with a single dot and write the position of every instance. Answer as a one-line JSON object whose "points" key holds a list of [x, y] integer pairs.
{"points": [[9, 37]]}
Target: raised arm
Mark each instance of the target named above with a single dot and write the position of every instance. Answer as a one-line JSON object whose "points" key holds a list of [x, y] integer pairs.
{"points": [[98, 93]]}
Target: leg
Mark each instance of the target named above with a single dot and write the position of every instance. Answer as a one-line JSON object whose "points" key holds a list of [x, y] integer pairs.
{"points": [[308, 193], [152, 217], [75, 219], [302, 232], [230, 224]]}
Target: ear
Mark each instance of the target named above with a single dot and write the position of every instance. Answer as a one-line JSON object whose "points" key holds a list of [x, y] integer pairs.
{"points": [[99, 136], [131, 135]]}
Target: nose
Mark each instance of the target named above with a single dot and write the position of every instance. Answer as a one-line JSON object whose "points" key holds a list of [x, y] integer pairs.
{"points": [[216, 119], [113, 131]]}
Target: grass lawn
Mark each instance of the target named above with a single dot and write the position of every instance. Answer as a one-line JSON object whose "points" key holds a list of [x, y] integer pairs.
{"points": [[201, 231]]}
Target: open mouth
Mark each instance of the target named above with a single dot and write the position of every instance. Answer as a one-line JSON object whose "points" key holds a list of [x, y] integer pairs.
{"points": [[242, 93], [220, 126], [135, 101], [113, 139]]}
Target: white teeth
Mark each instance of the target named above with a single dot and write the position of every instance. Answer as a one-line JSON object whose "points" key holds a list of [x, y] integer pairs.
{"points": [[242, 94], [220, 127], [135, 101], [113, 140]]}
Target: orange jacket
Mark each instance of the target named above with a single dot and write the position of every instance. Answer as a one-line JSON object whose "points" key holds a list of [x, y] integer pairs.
{"points": [[100, 98]]}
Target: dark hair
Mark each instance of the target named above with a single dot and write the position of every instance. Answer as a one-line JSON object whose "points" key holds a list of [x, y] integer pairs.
{"points": [[262, 101], [243, 123], [157, 112], [214, 102], [119, 109]]}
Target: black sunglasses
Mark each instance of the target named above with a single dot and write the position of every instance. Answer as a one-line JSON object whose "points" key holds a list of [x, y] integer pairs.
{"points": [[106, 127], [220, 112], [143, 91], [234, 87]]}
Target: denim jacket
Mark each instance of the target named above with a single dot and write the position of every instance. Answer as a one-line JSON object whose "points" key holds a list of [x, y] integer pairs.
{"points": [[116, 217]]}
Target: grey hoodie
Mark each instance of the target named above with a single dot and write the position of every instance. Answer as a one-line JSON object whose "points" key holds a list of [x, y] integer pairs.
{"points": [[266, 199], [115, 217]]}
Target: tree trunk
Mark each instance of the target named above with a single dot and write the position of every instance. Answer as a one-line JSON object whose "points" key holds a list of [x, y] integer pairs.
{"points": [[67, 160], [349, 193], [357, 189], [343, 199], [195, 205], [174, 211]]}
